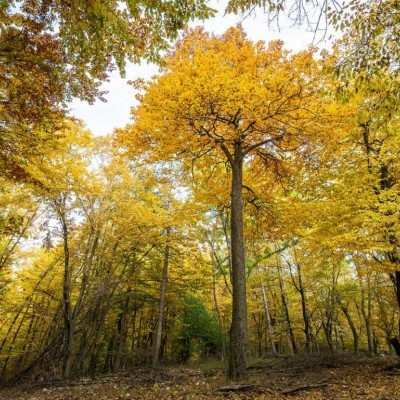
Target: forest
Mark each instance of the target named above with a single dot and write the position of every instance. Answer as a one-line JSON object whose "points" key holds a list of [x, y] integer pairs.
{"points": [[249, 211]]}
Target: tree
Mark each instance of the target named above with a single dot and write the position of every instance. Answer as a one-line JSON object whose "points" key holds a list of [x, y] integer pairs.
{"points": [[227, 100], [52, 51], [197, 325], [371, 30], [372, 191]]}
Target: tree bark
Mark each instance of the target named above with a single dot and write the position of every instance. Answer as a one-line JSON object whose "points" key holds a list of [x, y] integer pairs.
{"points": [[121, 335], [351, 325], [217, 310], [268, 320], [163, 286], [395, 277], [396, 345], [238, 331], [67, 309], [304, 308], [289, 330], [366, 312]]}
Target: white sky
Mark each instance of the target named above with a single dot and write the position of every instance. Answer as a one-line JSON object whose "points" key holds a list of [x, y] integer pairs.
{"points": [[101, 118]]}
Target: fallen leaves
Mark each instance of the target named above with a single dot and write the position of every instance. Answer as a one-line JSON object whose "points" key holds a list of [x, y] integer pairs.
{"points": [[311, 377]]}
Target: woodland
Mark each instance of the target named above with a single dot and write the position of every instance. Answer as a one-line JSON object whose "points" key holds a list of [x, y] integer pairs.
{"points": [[248, 217]]}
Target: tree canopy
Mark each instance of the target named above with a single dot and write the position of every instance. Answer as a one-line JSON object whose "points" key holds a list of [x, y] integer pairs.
{"points": [[228, 100], [53, 51]]}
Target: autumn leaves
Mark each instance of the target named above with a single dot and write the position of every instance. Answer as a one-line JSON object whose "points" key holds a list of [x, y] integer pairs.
{"points": [[242, 157], [228, 100]]}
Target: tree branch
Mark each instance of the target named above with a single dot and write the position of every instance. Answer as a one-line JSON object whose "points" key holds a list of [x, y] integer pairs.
{"points": [[255, 145], [228, 154]]}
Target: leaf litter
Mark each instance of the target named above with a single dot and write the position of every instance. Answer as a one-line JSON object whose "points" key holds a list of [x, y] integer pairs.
{"points": [[307, 377]]}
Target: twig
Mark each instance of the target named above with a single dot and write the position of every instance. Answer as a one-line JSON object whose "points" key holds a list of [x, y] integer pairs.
{"points": [[67, 384], [304, 387], [237, 388]]}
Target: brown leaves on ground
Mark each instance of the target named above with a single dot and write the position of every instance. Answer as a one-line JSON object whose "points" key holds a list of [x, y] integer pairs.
{"points": [[338, 377]]}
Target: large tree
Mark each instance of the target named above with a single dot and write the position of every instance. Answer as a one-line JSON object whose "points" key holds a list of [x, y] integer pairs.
{"points": [[228, 100]]}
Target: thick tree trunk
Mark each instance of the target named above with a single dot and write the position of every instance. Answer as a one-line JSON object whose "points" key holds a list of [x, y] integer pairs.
{"points": [[395, 277], [396, 345], [163, 286], [238, 331]]}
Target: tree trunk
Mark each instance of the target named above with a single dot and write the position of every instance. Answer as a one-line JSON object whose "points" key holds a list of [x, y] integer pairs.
{"points": [[289, 330], [163, 286], [366, 313], [395, 277], [217, 310], [67, 309], [396, 345], [270, 333], [238, 331], [11, 346], [351, 325], [304, 308], [121, 335]]}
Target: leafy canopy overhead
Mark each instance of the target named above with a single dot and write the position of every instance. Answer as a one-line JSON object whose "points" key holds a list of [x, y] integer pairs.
{"points": [[93, 34], [372, 27], [54, 50]]}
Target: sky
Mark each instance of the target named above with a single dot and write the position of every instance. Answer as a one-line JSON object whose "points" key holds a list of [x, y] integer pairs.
{"points": [[102, 117]]}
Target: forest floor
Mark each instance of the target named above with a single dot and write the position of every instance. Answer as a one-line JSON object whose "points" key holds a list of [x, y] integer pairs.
{"points": [[311, 377]]}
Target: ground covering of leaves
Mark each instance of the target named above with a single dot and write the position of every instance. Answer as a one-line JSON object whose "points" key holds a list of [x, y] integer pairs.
{"points": [[338, 377]]}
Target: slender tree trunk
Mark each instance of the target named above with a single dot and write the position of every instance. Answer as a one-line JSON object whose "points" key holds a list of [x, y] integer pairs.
{"points": [[163, 286], [304, 308], [29, 341], [351, 325], [217, 310], [139, 347], [259, 328], [53, 333], [121, 335], [270, 333], [289, 330], [12, 344], [238, 331], [366, 312], [133, 335], [327, 326], [67, 309]]}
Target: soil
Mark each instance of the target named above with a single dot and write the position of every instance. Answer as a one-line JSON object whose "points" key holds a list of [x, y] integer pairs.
{"points": [[333, 377]]}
